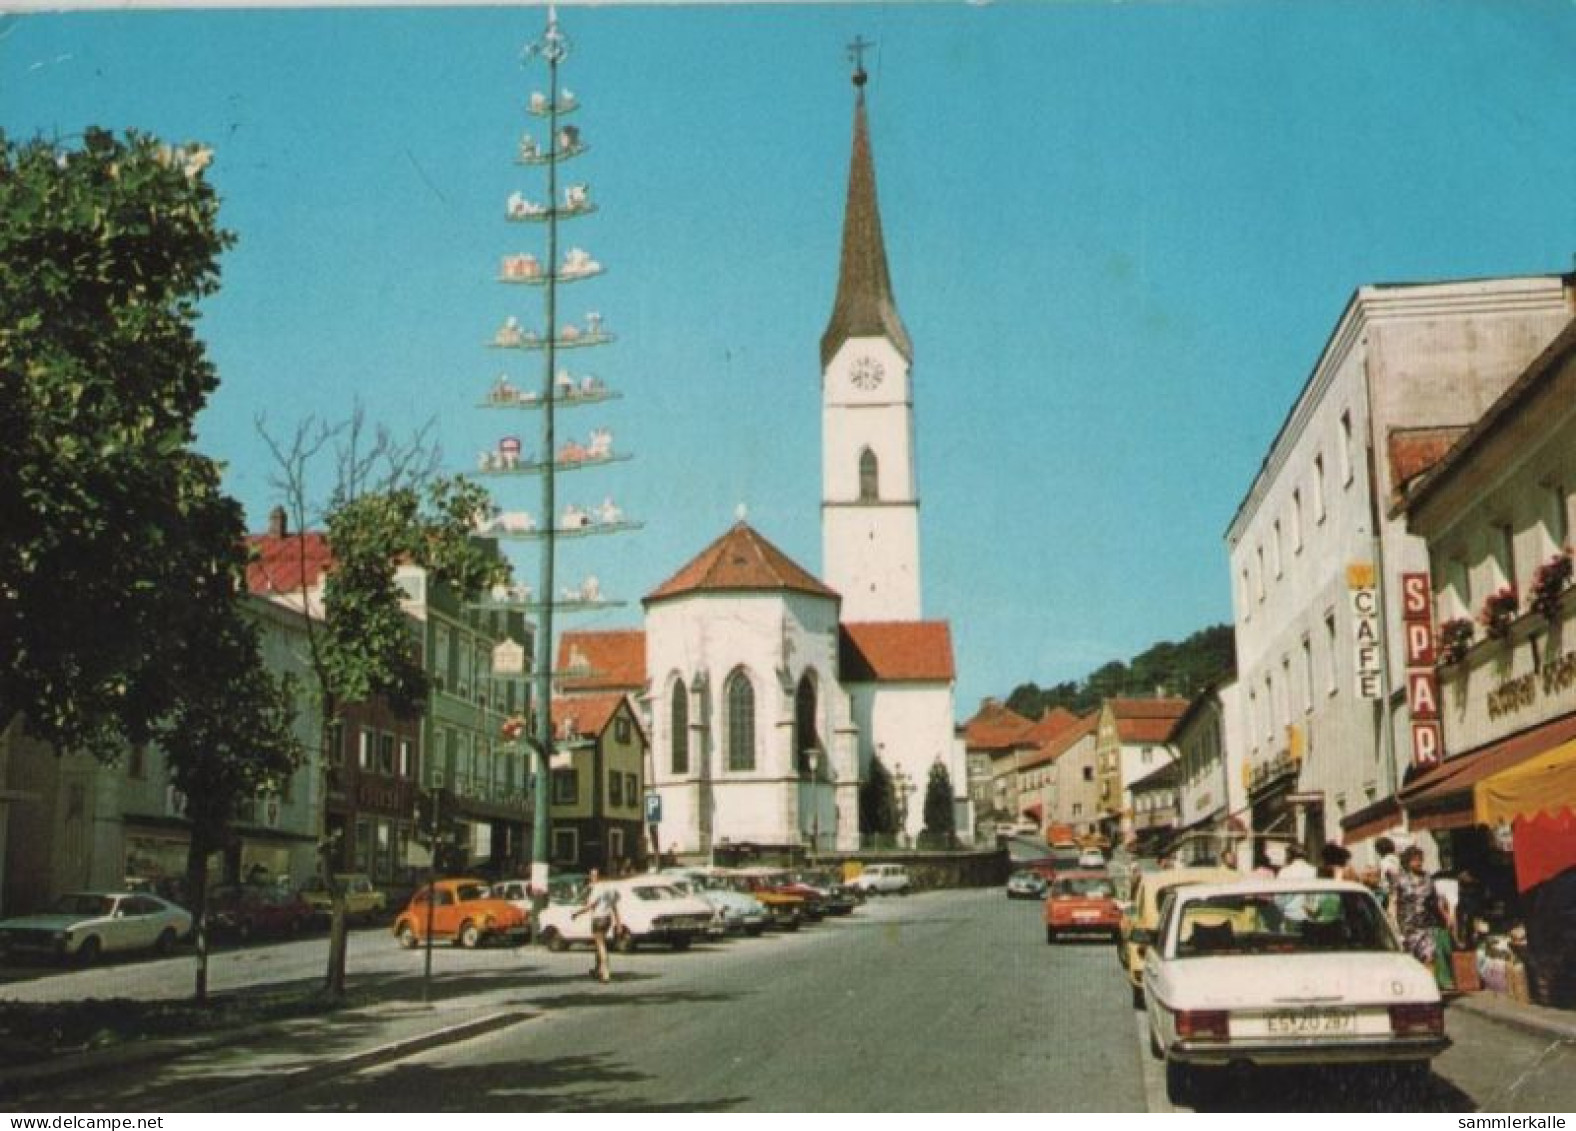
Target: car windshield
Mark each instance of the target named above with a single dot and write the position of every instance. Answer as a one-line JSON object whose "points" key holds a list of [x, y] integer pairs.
{"points": [[657, 891], [1281, 922], [1084, 887], [82, 903]]}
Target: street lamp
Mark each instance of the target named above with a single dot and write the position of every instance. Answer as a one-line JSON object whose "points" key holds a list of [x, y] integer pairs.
{"points": [[817, 758], [904, 786]]}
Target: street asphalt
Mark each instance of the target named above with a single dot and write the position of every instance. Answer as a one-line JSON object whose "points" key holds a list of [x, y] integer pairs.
{"points": [[946, 1001]]}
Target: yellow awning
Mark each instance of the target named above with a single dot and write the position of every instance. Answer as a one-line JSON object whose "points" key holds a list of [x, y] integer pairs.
{"points": [[1544, 783]]}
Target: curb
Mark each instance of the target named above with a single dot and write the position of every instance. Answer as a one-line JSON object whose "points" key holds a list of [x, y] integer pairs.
{"points": [[228, 1099], [1517, 1017], [13, 1080]]}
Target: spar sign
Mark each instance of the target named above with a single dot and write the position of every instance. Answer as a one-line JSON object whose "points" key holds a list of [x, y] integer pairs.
{"points": [[1422, 685]]}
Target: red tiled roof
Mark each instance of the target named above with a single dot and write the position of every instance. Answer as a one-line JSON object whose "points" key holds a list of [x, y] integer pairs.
{"points": [[741, 560], [1045, 732], [585, 716], [276, 564], [1064, 739], [896, 652], [1413, 451], [610, 659], [1146, 720], [995, 727]]}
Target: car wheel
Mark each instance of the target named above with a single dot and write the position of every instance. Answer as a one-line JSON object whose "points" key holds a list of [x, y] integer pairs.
{"points": [[1180, 1084], [1050, 936], [554, 941], [1138, 1000], [682, 942], [470, 935], [88, 952], [406, 934], [166, 942]]}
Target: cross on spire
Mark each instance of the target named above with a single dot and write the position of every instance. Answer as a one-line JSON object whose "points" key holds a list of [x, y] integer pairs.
{"points": [[856, 54]]}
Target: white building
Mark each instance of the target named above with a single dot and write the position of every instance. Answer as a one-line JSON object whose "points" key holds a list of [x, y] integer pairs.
{"points": [[1324, 718], [770, 691]]}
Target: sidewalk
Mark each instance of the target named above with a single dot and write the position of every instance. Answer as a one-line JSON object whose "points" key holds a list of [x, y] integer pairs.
{"points": [[224, 1071], [1556, 1024]]}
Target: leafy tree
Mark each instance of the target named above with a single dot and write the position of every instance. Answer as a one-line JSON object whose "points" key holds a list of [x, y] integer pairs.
{"points": [[104, 251], [878, 802], [121, 560], [387, 506], [1182, 669], [940, 819]]}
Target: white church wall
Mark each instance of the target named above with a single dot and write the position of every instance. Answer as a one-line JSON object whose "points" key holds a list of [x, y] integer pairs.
{"points": [[910, 725]]}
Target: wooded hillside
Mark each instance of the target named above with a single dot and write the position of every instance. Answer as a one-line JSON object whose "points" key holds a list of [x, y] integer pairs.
{"points": [[1180, 669]]}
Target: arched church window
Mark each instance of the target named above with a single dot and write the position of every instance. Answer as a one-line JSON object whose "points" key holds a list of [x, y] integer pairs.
{"points": [[805, 736], [739, 698], [869, 477], [678, 727]]}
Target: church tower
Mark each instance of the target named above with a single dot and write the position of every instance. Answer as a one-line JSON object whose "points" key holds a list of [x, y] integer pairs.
{"points": [[869, 490]]}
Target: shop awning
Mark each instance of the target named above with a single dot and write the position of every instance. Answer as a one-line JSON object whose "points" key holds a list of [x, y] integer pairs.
{"points": [[1443, 798], [1543, 784], [1371, 820]]}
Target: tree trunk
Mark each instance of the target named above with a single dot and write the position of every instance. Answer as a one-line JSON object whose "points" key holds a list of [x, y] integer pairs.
{"points": [[338, 940], [197, 896]]}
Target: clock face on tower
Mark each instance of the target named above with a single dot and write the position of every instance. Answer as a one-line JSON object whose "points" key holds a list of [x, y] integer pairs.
{"points": [[866, 373]]}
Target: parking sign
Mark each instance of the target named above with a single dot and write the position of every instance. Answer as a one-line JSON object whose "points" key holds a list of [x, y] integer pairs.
{"points": [[653, 809]]}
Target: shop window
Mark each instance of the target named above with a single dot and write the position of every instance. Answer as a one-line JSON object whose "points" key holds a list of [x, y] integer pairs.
{"points": [[615, 844]]}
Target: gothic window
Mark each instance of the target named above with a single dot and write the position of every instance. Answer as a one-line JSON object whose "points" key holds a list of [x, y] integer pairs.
{"points": [[739, 697], [678, 727], [869, 477], [805, 736]]}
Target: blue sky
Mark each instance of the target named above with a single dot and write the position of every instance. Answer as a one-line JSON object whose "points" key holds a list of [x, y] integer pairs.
{"points": [[1119, 235]]}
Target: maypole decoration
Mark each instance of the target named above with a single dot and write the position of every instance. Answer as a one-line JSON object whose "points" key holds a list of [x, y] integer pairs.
{"points": [[557, 387]]}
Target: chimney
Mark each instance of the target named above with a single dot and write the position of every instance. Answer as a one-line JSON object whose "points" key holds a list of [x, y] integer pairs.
{"points": [[278, 524]]}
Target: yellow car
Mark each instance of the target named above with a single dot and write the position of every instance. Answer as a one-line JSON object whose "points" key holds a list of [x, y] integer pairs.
{"points": [[363, 901], [1143, 911]]}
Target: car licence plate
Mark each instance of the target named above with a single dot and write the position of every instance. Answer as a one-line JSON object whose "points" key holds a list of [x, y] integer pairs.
{"points": [[1311, 1022]]}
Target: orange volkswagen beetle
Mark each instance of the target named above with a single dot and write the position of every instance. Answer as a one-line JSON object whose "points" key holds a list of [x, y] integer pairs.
{"points": [[462, 912]]}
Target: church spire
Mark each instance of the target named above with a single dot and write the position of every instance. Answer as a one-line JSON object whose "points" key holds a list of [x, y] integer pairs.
{"points": [[864, 307]]}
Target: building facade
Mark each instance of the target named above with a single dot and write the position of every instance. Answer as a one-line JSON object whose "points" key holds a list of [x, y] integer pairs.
{"points": [[1211, 788], [1316, 559], [1132, 742], [598, 781]]}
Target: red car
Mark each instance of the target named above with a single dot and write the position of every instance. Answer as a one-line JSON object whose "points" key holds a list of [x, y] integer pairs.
{"points": [[1082, 903], [247, 910]]}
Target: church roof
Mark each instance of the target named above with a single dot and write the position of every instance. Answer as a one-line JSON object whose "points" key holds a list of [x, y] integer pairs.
{"points": [[864, 307], [896, 652], [740, 561], [610, 659]]}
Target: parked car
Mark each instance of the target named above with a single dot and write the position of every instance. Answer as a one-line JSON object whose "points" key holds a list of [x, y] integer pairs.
{"points": [[1081, 903], [741, 914], [243, 911], [1271, 972], [1026, 884], [1089, 858], [1143, 912], [84, 925], [463, 912], [517, 892], [651, 909], [786, 911], [363, 900], [816, 904], [882, 879], [834, 894]]}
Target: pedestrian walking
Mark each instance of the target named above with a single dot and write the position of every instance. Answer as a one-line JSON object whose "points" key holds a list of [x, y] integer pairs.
{"points": [[1422, 917], [601, 904]]}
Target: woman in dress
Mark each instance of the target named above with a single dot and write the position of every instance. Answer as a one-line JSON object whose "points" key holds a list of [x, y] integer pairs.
{"points": [[1422, 916]]}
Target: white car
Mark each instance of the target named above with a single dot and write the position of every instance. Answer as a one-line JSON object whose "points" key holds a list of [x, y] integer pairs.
{"points": [[83, 925], [651, 909], [1283, 972], [882, 879]]}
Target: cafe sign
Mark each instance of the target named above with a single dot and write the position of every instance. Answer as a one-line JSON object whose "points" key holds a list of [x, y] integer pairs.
{"points": [[1367, 659]]}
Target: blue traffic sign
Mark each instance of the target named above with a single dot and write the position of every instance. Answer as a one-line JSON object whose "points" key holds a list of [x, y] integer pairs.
{"points": [[653, 808]]}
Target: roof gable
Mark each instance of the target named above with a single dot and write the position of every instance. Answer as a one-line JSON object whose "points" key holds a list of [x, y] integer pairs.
{"points": [[588, 716], [287, 563], [740, 561], [996, 728], [896, 652], [1146, 720]]}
